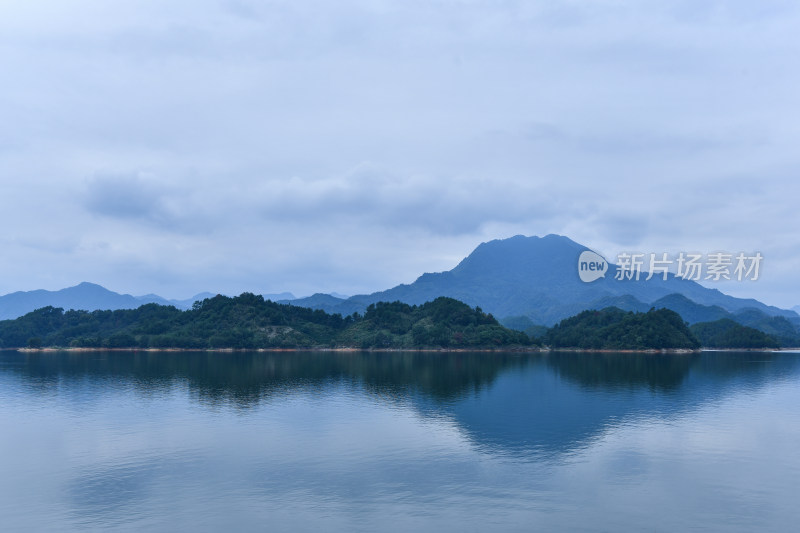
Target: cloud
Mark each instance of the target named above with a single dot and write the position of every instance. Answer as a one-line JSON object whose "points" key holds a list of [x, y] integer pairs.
{"points": [[309, 145], [373, 195], [124, 196]]}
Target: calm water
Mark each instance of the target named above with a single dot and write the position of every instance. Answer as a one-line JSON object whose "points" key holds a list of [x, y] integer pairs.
{"points": [[395, 442]]}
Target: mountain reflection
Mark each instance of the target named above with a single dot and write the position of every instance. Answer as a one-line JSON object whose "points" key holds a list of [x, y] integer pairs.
{"points": [[623, 370], [509, 402], [246, 379]]}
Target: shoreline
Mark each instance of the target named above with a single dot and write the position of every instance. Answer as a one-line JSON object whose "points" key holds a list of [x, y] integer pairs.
{"points": [[266, 350], [518, 349]]}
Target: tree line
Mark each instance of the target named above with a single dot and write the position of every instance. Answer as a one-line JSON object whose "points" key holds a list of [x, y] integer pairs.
{"points": [[250, 322]]}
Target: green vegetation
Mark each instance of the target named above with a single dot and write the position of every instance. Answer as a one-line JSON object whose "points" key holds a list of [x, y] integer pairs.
{"points": [[778, 327], [525, 324], [443, 322], [248, 322], [725, 333], [615, 329]]}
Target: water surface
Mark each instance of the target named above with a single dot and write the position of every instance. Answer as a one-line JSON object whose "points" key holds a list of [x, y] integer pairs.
{"points": [[399, 441]]}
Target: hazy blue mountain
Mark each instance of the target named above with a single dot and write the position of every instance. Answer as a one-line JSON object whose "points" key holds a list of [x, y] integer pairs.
{"points": [[519, 323], [316, 301], [780, 327], [626, 302], [340, 295], [88, 296], [537, 277], [187, 304], [85, 296], [693, 312], [534, 277], [279, 296], [151, 299]]}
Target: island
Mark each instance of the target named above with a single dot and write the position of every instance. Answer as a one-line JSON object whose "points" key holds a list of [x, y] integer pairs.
{"points": [[249, 322]]}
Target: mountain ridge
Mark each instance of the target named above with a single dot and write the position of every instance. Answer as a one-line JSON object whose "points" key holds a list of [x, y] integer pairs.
{"points": [[85, 296], [535, 277]]}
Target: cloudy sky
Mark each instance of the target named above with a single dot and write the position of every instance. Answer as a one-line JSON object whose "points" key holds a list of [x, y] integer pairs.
{"points": [[231, 145]]}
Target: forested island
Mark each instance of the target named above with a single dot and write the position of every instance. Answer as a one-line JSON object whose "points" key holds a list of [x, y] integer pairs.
{"points": [[657, 329], [250, 322], [613, 328], [725, 333]]}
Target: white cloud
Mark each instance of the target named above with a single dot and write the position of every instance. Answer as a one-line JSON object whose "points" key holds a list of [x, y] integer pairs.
{"points": [[348, 146]]}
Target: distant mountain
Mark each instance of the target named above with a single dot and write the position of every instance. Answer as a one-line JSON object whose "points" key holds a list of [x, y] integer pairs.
{"points": [[613, 329], [693, 312], [249, 322], [85, 296], [187, 304], [725, 333], [537, 277], [784, 329], [145, 299], [279, 296], [317, 301], [533, 277], [625, 302]]}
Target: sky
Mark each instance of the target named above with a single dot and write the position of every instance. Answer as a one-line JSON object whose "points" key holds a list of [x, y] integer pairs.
{"points": [[349, 146]]}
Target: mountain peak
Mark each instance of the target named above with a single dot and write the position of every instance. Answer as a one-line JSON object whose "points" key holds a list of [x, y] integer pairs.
{"points": [[537, 277], [522, 257], [86, 285]]}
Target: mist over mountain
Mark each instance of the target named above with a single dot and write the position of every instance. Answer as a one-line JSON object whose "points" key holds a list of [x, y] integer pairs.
{"points": [[537, 277], [84, 296], [527, 280], [280, 296]]}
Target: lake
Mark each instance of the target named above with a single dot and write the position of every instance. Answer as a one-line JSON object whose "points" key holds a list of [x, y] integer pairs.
{"points": [[334, 441]]}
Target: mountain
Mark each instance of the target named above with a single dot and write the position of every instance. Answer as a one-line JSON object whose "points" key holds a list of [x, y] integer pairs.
{"points": [[725, 333], [88, 296], [693, 312], [85, 296], [250, 322], [613, 328], [315, 301], [187, 304], [279, 297], [784, 329], [144, 299], [533, 277], [781, 328], [537, 277]]}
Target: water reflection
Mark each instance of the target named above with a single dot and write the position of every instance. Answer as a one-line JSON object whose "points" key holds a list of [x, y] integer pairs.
{"points": [[511, 402], [614, 371], [249, 378], [437, 441]]}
